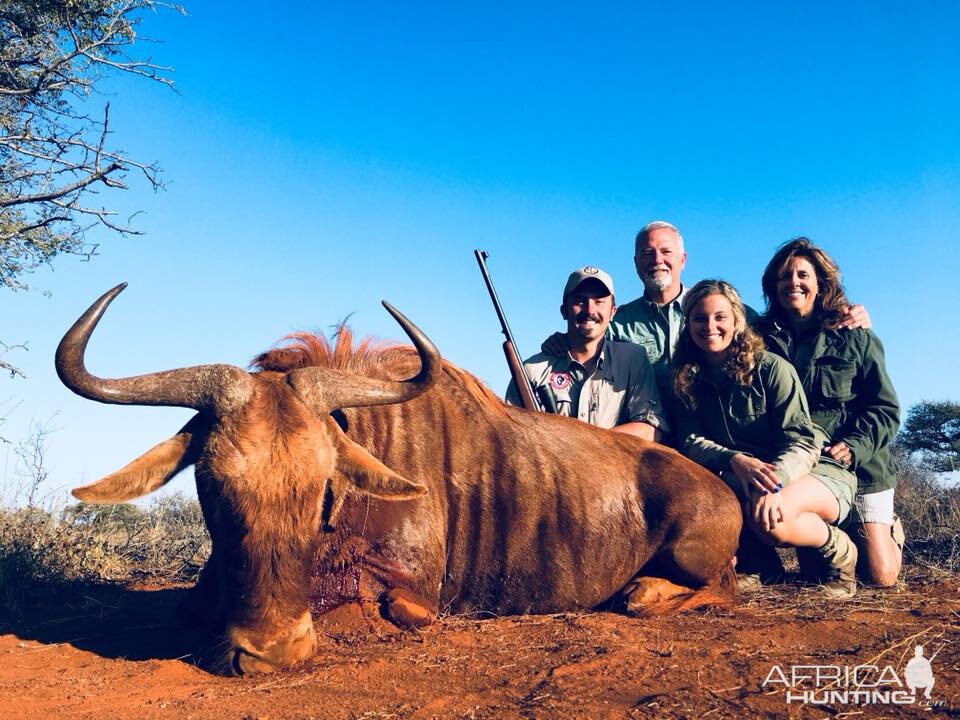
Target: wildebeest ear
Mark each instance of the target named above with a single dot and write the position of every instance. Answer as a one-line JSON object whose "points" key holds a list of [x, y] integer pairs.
{"points": [[151, 470], [368, 474]]}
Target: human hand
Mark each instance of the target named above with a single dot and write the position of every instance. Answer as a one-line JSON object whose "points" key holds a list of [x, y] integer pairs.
{"points": [[555, 345], [755, 475], [767, 510], [839, 452], [855, 316]]}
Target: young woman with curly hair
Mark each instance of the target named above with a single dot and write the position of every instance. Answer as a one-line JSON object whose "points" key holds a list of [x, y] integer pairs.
{"points": [[745, 417], [851, 397]]}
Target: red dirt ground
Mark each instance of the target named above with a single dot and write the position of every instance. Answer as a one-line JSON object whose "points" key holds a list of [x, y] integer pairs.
{"points": [[120, 653]]}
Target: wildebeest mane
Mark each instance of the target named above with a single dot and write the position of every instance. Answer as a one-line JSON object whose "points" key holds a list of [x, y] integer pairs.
{"points": [[369, 358]]}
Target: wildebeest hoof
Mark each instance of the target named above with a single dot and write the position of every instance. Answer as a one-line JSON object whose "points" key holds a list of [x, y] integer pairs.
{"points": [[405, 609], [645, 591]]}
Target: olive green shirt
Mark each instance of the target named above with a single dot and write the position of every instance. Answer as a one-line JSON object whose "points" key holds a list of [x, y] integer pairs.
{"points": [[768, 419], [850, 394], [621, 387]]}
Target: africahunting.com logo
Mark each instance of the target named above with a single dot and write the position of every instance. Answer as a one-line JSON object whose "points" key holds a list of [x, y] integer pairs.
{"points": [[867, 684]]}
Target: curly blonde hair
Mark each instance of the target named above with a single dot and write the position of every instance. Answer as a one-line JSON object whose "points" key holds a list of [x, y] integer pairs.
{"points": [[745, 352], [831, 301]]}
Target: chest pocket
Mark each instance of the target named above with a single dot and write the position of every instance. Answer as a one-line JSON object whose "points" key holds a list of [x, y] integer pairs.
{"points": [[650, 348], [747, 405], [835, 378], [562, 397]]}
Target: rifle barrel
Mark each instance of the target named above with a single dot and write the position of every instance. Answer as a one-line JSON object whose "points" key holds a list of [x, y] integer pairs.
{"points": [[514, 361]]}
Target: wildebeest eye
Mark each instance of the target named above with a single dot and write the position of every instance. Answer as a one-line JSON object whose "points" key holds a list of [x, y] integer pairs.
{"points": [[340, 419]]}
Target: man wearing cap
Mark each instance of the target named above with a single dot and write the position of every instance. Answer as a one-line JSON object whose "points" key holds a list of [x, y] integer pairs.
{"points": [[595, 379]]}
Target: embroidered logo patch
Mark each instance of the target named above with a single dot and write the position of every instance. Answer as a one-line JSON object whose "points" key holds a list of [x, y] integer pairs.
{"points": [[559, 380]]}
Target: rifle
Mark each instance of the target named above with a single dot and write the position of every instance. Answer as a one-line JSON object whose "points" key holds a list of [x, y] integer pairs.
{"points": [[528, 395]]}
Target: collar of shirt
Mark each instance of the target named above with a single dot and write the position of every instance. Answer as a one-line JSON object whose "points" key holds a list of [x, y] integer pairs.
{"points": [[714, 376], [604, 362], [787, 338], [677, 302]]}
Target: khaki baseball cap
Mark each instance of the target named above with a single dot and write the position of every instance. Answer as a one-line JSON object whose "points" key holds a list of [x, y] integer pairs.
{"points": [[587, 273]]}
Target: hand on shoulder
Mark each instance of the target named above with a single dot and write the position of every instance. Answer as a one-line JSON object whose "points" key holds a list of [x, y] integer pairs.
{"points": [[854, 317]]}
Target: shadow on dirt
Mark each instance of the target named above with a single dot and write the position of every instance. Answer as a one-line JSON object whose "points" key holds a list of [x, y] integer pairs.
{"points": [[112, 621]]}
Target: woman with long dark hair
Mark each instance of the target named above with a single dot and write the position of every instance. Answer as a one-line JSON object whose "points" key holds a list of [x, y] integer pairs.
{"points": [[850, 394], [744, 416]]}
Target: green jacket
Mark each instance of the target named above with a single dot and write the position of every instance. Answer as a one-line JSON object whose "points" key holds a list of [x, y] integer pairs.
{"points": [[850, 394], [768, 419]]}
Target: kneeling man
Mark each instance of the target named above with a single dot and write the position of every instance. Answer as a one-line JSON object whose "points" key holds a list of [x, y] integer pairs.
{"points": [[597, 380]]}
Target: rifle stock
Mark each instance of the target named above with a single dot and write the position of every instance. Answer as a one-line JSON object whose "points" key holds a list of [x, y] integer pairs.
{"points": [[520, 378]]}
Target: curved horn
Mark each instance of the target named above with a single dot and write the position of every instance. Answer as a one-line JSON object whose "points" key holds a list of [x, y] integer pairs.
{"points": [[205, 387], [324, 390]]}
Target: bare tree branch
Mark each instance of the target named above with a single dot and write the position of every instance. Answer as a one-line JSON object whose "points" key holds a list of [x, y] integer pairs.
{"points": [[7, 367], [98, 174], [53, 55]]}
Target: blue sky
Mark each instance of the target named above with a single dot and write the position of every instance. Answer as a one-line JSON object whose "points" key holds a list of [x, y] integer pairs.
{"points": [[325, 156]]}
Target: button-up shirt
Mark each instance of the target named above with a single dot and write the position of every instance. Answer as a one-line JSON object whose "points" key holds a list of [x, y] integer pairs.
{"points": [[769, 419], [621, 388], [656, 328]]}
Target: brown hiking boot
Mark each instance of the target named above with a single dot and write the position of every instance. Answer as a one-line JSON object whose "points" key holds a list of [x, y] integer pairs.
{"points": [[748, 582], [839, 558]]}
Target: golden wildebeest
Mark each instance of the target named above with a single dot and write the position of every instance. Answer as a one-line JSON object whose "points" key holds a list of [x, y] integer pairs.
{"points": [[325, 479]]}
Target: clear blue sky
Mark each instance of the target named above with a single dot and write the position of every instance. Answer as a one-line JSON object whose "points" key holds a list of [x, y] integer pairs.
{"points": [[326, 156]]}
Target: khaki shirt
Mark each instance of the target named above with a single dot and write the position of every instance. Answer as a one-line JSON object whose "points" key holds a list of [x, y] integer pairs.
{"points": [[769, 419], [621, 388]]}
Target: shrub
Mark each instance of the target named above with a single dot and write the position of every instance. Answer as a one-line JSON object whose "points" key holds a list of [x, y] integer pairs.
{"points": [[930, 514], [43, 550]]}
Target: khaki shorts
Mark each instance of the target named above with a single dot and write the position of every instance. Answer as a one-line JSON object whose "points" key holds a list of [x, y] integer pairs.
{"points": [[837, 481], [876, 507]]}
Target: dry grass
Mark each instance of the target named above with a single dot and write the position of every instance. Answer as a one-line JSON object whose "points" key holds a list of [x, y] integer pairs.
{"points": [[930, 515], [47, 545], [43, 550]]}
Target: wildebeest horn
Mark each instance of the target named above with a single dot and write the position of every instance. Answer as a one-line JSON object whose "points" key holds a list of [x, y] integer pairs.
{"points": [[205, 387], [324, 390]]}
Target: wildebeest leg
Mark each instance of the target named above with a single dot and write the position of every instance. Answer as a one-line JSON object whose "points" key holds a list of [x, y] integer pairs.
{"points": [[692, 569], [360, 588]]}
